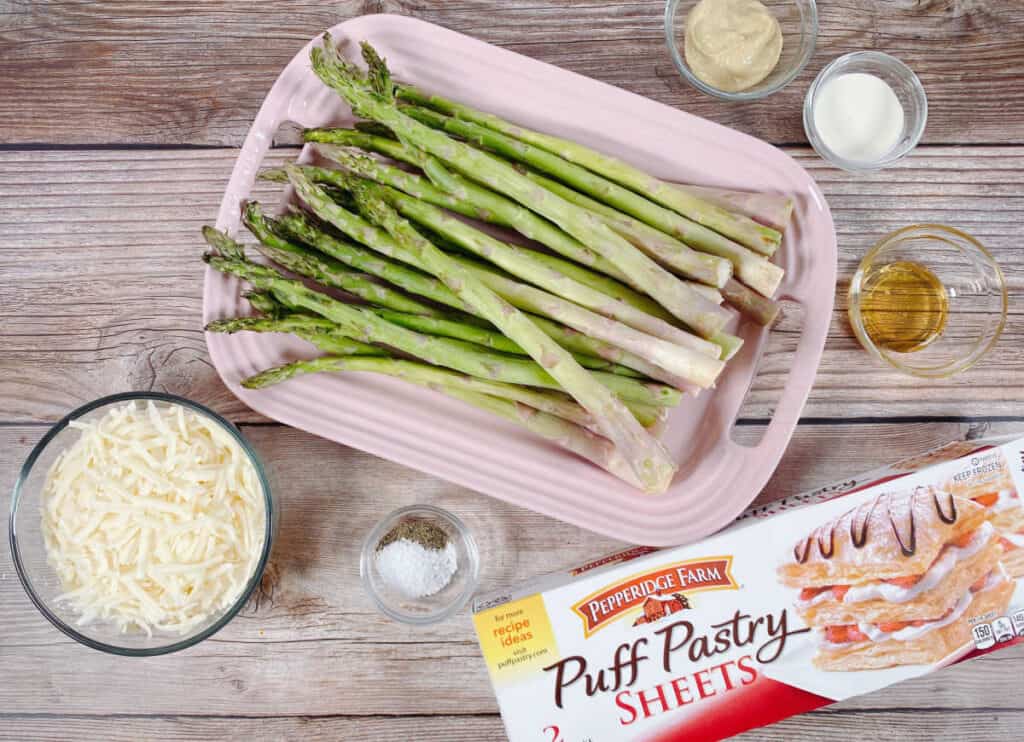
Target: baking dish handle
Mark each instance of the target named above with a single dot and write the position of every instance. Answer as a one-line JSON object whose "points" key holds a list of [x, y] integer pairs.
{"points": [[808, 291]]}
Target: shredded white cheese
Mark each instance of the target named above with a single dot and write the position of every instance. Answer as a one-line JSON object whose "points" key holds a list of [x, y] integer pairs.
{"points": [[154, 519]]}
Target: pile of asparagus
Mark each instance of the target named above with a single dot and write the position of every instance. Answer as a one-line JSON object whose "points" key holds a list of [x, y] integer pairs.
{"points": [[586, 338]]}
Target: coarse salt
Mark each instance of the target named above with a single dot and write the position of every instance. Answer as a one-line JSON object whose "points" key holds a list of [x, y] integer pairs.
{"points": [[415, 570]]}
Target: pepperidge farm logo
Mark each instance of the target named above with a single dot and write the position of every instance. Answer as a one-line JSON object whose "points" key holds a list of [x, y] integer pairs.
{"points": [[615, 601]]}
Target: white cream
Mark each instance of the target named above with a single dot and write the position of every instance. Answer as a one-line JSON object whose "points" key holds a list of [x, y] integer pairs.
{"points": [[1007, 499], [940, 569], [819, 598], [1017, 539], [910, 633]]}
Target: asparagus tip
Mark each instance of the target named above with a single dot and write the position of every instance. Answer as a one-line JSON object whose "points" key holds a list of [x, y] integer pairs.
{"points": [[260, 380], [252, 214], [222, 243], [378, 74], [220, 325], [274, 174]]}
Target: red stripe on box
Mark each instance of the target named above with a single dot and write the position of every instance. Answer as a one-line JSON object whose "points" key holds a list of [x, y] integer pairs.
{"points": [[765, 701]]}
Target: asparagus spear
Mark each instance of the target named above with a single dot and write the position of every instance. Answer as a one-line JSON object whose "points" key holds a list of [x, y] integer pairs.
{"points": [[422, 189], [323, 269], [554, 403], [318, 331], [770, 209], [583, 346], [362, 324], [554, 427], [301, 228], [265, 303], [620, 201], [458, 330], [703, 315], [681, 367], [364, 140], [498, 175], [737, 227], [761, 310], [331, 339], [678, 366], [698, 312], [478, 202], [681, 364], [647, 458], [750, 267], [416, 186]]}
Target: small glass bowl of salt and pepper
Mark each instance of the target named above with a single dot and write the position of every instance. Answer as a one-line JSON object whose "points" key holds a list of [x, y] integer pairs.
{"points": [[865, 111], [420, 565]]}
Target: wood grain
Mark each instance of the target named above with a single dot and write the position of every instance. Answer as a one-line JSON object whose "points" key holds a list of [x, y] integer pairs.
{"points": [[311, 643], [914, 726], [195, 72], [103, 281]]}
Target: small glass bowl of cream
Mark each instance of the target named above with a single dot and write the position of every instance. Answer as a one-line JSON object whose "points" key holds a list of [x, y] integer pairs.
{"points": [[739, 46], [865, 111]]}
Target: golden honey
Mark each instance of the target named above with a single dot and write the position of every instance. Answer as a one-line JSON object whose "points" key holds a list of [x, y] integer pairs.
{"points": [[904, 308]]}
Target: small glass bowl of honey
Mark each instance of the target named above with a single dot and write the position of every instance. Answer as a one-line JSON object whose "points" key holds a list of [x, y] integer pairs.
{"points": [[929, 300]]}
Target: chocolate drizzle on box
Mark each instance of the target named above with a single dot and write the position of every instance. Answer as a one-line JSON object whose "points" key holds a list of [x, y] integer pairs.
{"points": [[908, 549], [860, 539], [831, 543], [907, 539], [951, 518], [802, 557]]}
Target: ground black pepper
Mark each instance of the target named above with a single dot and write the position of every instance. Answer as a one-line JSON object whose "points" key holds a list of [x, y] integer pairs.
{"points": [[421, 531]]}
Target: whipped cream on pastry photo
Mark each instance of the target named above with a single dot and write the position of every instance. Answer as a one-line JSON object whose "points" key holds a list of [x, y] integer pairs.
{"points": [[898, 580], [985, 479]]}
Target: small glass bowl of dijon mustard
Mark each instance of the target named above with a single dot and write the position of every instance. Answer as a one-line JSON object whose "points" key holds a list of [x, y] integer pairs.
{"points": [[929, 300], [740, 49]]}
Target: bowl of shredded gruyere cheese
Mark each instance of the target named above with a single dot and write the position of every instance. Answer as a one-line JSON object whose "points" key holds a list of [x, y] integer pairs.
{"points": [[141, 523]]}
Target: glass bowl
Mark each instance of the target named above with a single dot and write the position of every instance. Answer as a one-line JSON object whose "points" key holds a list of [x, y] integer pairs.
{"points": [[975, 302], [904, 84], [432, 608], [798, 20], [41, 581]]}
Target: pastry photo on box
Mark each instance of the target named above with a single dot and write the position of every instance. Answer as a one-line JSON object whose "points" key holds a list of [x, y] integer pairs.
{"points": [[898, 580], [985, 478]]}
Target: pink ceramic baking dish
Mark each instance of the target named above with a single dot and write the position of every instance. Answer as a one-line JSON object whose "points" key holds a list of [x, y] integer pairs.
{"points": [[717, 477]]}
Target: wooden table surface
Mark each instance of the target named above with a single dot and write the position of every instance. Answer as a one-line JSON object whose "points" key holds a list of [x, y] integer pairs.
{"points": [[119, 124]]}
